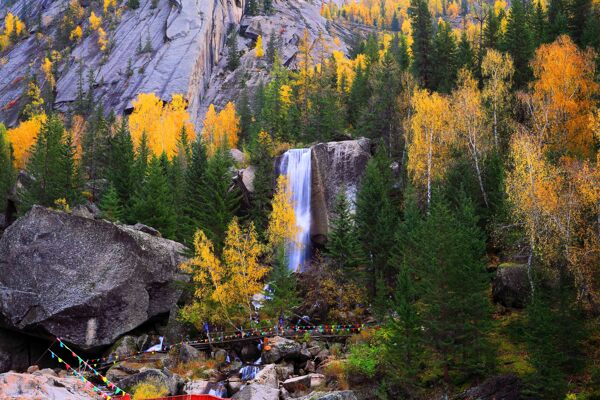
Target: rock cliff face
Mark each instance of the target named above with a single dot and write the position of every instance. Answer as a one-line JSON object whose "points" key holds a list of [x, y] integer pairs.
{"points": [[183, 51], [84, 280], [335, 165]]}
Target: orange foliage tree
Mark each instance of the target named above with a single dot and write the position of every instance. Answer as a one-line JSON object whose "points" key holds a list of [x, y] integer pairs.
{"points": [[221, 129], [561, 101], [23, 137], [162, 122]]}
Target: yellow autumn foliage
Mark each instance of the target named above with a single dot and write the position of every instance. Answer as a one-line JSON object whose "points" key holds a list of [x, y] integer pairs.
{"points": [[282, 227], [224, 288], [13, 27], [47, 70], [162, 122], [221, 129], [23, 137], [76, 34], [260, 50], [95, 21]]}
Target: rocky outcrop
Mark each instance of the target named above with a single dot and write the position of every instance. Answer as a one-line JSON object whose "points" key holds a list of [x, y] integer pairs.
{"points": [[86, 281], [41, 385], [501, 387], [339, 395], [510, 286], [334, 165], [176, 47]]}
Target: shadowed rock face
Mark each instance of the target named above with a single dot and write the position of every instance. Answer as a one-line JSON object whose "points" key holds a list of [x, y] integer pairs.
{"points": [[335, 165], [86, 281]]}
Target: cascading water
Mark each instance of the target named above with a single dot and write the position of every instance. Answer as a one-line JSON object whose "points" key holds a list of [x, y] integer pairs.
{"points": [[249, 372], [296, 166]]}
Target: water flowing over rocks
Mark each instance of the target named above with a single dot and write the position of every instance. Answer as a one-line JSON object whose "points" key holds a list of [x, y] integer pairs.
{"points": [[86, 281], [335, 165]]}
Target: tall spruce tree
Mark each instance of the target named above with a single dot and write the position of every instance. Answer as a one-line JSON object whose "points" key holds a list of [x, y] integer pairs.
{"points": [[422, 47], [110, 205], [7, 172], [152, 202], [465, 55], [444, 59], [343, 246], [121, 167], [376, 220], [96, 150], [219, 199], [52, 166], [519, 43], [445, 254]]}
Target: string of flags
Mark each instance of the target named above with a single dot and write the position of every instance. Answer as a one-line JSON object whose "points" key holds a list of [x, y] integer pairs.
{"points": [[117, 390], [232, 335], [87, 383]]}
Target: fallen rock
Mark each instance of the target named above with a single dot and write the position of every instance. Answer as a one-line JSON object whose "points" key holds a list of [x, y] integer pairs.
{"points": [[87, 281], [196, 387], [172, 382], [510, 286], [267, 377], [284, 371], [257, 392], [124, 347], [297, 384], [234, 384], [317, 380], [147, 229], [41, 386], [339, 395], [334, 165], [281, 348], [188, 353], [501, 387]]}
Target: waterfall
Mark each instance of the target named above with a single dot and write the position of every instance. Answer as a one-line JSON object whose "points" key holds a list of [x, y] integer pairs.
{"points": [[296, 165]]}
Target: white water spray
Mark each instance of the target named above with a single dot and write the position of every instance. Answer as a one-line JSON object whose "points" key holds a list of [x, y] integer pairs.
{"points": [[296, 166]]}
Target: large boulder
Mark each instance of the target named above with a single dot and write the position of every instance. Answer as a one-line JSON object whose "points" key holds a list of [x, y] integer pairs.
{"points": [[86, 281], [281, 348], [501, 387], [510, 286], [41, 386], [257, 392], [172, 382], [339, 395], [334, 165]]}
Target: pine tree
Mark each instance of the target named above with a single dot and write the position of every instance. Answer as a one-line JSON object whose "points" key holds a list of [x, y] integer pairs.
{"points": [[243, 110], [272, 48], [252, 7], [96, 147], [219, 200], [359, 95], [519, 43], [395, 26], [402, 57], [343, 246], [539, 25], [233, 54], [465, 56], [110, 205], [267, 7], [52, 166], [7, 172], [141, 161], [580, 12], [444, 59], [283, 295], [264, 179], [194, 178], [558, 19], [152, 203], [375, 219], [122, 165], [491, 30], [177, 187], [445, 254], [422, 47]]}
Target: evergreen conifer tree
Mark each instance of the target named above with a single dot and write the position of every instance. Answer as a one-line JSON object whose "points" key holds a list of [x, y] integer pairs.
{"points": [[53, 167], [219, 200], [376, 219], [444, 59], [465, 56], [121, 169], [96, 150], [343, 246], [422, 47], [445, 254], [152, 203], [519, 43], [7, 172], [110, 205]]}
